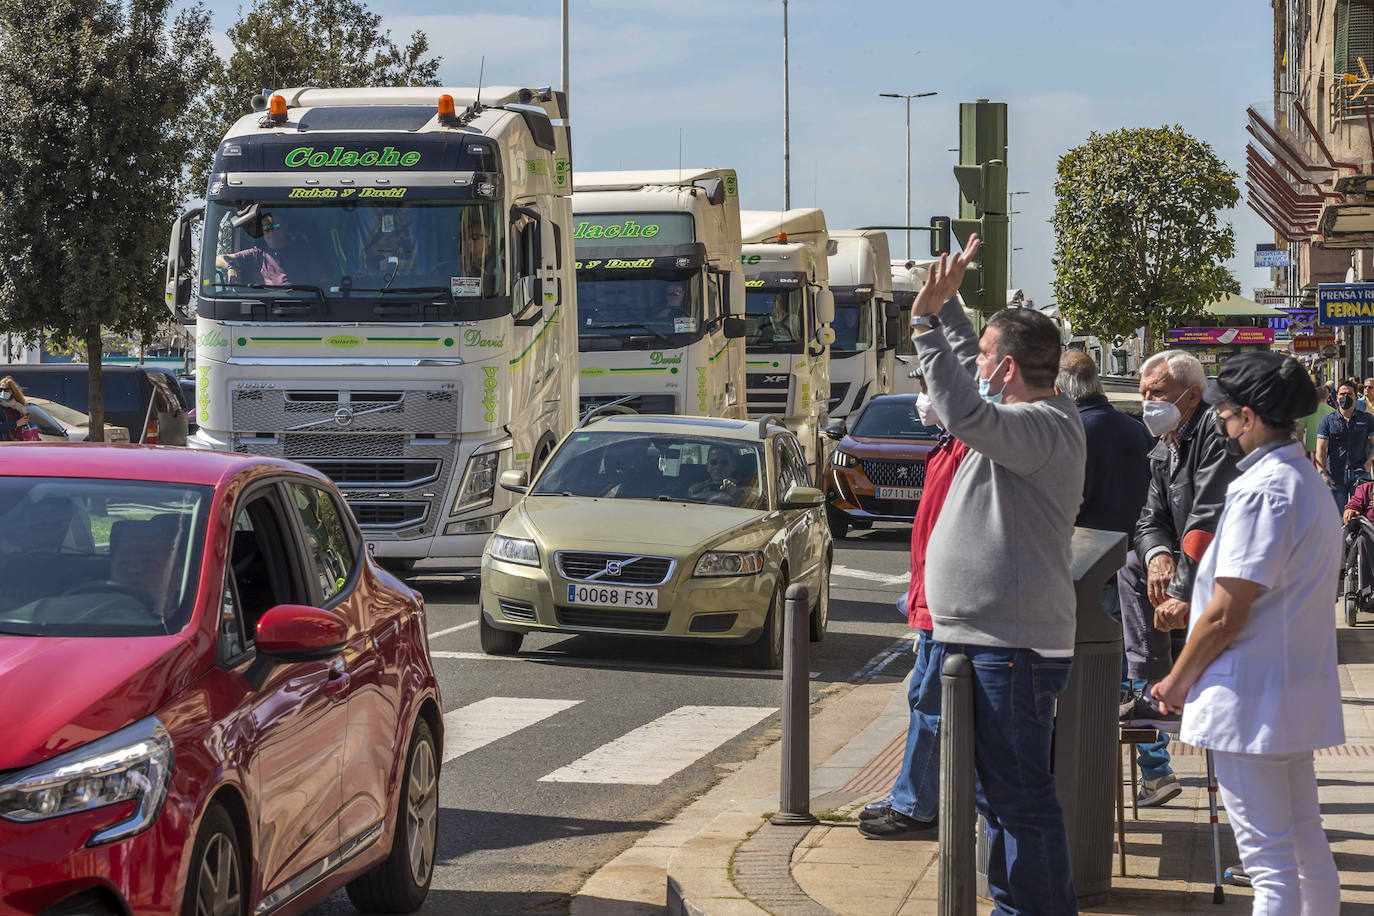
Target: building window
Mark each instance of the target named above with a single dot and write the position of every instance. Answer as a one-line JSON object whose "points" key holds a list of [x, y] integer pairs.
{"points": [[1354, 36]]}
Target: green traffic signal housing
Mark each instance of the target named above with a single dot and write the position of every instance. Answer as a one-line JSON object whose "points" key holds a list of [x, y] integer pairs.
{"points": [[982, 177]]}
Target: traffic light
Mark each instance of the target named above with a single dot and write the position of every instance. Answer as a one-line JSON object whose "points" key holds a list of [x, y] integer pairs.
{"points": [[939, 236], [982, 177]]}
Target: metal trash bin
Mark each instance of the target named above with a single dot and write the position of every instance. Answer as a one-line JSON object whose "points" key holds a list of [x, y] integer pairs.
{"points": [[1085, 724]]}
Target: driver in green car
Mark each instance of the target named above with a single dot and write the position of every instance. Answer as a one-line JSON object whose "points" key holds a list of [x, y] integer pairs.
{"points": [[720, 470]]}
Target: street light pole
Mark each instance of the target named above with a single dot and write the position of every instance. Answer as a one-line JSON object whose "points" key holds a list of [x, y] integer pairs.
{"points": [[1010, 249], [908, 97], [786, 119]]}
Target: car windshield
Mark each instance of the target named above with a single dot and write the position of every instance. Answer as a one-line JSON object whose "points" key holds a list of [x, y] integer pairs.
{"points": [[664, 466], [82, 557], [892, 420]]}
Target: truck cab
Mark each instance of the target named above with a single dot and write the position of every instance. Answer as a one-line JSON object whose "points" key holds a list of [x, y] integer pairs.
{"points": [[788, 313], [660, 288], [866, 327]]}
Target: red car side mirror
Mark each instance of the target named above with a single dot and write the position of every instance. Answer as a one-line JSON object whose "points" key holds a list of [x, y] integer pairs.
{"points": [[297, 633]]}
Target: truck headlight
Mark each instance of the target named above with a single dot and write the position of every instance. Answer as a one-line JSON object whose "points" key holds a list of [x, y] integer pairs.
{"points": [[729, 563], [842, 459], [134, 763], [513, 550], [478, 485]]}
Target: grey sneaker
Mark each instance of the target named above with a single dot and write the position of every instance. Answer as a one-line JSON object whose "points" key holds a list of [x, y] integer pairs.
{"points": [[1141, 712], [1155, 792]]}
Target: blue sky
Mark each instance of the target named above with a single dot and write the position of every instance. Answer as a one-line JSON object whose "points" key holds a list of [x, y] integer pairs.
{"points": [[644, 71]]}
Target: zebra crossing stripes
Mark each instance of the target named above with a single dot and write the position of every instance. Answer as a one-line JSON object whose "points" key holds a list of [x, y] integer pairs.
{"points": [[478, 724], [652, 753]]}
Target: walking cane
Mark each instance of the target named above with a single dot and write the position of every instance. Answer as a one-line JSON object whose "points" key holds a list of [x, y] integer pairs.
{"points": [[1218, 895]]}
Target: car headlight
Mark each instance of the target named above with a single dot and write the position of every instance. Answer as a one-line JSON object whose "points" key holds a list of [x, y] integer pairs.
{"points": [[479, 479], [842, 459], [729, 563], [134, 763], [513, 550]]}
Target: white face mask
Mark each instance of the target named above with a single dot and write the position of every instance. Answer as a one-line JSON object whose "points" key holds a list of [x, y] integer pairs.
{"points": [[1161, 416], [926, 410]]}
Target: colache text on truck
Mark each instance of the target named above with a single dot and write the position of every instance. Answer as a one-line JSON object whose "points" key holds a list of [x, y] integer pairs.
{"points": [[386, 292], [658, 278], [788, 312]]}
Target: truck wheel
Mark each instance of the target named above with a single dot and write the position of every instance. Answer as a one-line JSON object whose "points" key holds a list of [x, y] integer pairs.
{"points": [[214, 884], [767, 651], [497, 642], [400, 882]]}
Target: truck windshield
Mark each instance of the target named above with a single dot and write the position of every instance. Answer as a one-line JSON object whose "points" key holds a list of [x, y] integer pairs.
{"points": [[853, 327], [773, 321], [637, 309], [380, 249]]}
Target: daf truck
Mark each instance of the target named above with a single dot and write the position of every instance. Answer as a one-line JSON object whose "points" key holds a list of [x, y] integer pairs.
{"points": [[866, 329], [385, 291], [788, 313], [659, 279]]}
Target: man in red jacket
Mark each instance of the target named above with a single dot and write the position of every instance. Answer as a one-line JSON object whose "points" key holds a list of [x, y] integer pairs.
{"points": [[910, 807]]}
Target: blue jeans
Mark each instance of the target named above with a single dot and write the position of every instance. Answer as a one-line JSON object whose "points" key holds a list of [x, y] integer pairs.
{"points": [[1153, 758], [1343, 484], [916, 793], [1014, 693]]}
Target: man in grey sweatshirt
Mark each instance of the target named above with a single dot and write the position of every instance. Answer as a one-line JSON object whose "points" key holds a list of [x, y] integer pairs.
{"points": [[998, 569]]}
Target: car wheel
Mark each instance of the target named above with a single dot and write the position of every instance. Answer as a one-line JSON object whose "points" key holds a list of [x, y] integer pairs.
{"points": [[820, 616], [837, 523], [400, 882], [397, 566], [498, 642], [767, 651], [214, 884]]}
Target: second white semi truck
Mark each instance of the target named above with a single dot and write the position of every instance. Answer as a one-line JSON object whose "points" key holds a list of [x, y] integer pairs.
{"points": [[788, 312], [866, 329], [659, 289]]}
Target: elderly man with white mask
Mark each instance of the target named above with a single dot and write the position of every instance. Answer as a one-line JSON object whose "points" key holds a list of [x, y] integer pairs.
{"points": [[1257, 682]]}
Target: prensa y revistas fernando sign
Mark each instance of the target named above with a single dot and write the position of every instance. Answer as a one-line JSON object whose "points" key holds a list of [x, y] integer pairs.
{"points": [[1345, 304]]}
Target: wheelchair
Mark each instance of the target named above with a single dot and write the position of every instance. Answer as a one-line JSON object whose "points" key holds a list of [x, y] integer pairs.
{"points": [[1357, 569]]}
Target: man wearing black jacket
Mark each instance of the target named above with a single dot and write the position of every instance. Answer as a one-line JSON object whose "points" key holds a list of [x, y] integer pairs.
{"points": [[1189, 473]]}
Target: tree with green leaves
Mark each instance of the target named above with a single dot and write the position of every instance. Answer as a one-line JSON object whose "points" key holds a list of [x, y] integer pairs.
{"points": [[329, 44], [1138, 241], [100, 99]]}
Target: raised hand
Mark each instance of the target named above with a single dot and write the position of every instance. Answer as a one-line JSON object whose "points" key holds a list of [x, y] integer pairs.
{"points": [[944, 278]]}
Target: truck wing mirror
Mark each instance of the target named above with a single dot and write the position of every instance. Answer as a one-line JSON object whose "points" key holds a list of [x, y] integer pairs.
{"points": [[249, 219], [714, 188], [180, 285], [733, 325]]}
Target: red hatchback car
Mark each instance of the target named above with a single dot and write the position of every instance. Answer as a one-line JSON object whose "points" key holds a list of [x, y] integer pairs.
{"points": [[211, 700]]}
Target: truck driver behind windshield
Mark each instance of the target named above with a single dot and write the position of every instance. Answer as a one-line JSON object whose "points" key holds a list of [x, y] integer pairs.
{"points": [[280, 258], [476, 254]]}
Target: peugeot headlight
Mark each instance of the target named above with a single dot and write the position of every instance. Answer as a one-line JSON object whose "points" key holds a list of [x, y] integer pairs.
{"points": [[842, 459], [133, 764], [513, 550], [479, 478], [729, 563]]}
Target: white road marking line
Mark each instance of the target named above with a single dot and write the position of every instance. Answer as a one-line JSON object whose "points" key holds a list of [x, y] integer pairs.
{"points": [[606, 663], [881, 578], [479, 724], [461, 626], [653, 752], [882, 660]]}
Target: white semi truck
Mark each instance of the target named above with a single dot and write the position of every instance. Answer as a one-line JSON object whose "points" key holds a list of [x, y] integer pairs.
{"points": [[659, 289], [908, 277], [386, 292], [866, 329], [788, 312]]}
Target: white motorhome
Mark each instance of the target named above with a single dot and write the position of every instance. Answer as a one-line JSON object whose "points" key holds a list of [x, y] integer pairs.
{"points": [[788, 311], [659, 286], [866, 330], [386, 293]]}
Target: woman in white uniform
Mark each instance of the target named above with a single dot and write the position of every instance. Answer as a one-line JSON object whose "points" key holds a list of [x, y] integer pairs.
{"points": [[1257, 680]]}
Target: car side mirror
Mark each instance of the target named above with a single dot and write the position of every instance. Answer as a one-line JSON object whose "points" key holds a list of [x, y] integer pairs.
{"points": [[802, 498], [835, 431], [516, 481], [733, 326], [294, 633]]}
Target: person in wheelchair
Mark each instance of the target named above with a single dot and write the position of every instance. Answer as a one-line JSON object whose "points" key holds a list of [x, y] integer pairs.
{"points": [[1358, 518]]}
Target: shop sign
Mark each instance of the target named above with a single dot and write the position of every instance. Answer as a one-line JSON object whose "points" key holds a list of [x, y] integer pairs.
{"points": [[1343, 304], [1206, 337], [1278, 258]]}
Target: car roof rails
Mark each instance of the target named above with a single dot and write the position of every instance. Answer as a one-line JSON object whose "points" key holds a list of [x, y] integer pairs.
{"points": [[595, 412], [768, 420]]}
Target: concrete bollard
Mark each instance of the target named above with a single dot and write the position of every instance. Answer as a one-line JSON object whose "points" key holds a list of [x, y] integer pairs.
{"points": [[956, 787], [794, 792]]}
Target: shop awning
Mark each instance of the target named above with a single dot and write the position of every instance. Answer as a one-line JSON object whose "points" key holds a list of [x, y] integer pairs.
{"points": [[1232, 306]]}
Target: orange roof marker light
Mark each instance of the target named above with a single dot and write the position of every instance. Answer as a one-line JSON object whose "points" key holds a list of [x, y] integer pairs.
{"points": [[277, 109], [782, 238]]}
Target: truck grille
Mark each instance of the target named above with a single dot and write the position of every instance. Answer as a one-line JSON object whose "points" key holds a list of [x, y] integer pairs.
{"points": [[766, 392], [353, 410], [650, 621], [401, 472], [644, 403], [634, 570], [888, 473], [387, 514]]}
